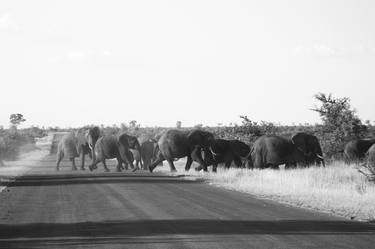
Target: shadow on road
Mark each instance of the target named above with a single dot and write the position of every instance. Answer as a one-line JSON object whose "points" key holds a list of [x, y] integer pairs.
{"points": [[52, 180], [112, 233], [192, 227]]}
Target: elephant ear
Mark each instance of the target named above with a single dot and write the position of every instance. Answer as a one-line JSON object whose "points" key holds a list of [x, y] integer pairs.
{"points": [[299, 140]]}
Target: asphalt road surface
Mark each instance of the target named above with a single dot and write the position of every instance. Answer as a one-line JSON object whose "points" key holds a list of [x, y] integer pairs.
{"points": [[48, 209]]}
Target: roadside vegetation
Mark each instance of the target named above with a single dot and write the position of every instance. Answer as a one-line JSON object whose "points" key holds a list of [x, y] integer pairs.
{"points": [[14, 141], [338, 188]]}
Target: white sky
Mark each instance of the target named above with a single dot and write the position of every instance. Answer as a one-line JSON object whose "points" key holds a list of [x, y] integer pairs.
{"points": [[70, 63]]}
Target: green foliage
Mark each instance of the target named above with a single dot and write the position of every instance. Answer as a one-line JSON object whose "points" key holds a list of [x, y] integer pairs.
{"points": [[16, 119], [340, 123]]}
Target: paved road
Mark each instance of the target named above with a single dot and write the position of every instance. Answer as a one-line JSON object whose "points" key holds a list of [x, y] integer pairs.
{"points": [[45, 209]]}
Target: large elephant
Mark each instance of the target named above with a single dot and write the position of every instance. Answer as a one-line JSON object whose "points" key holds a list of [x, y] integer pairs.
{"points": [[224, 151], [271, 151], [115, 146], [72, 145], [175, 144], [355, 150]]}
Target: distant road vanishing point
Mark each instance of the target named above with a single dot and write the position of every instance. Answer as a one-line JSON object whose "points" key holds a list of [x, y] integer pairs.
{"points": [[81, 209]]}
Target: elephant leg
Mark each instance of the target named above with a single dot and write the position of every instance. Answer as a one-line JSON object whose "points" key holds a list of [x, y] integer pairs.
{"points": [[189, 161], [93, 165], [237, 161], [155, 163], [59, 158], [290, 165], [119, 166], [126, 165], [258, 163], [214, 167], [105, 166], [139, 162], [228, 163], [126, 159], [273, 166], [171, 165], [146, 163], [248, 163], [73, 164], [82, 161], [201, 162]]}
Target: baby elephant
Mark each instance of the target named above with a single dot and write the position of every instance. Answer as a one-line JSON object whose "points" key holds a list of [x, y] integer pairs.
{"points": [[73, 145]]}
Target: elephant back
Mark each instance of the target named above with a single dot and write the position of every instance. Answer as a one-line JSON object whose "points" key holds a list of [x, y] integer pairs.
{"points": [[219, 146], [199, 137], [240, 148], [173, 144]]}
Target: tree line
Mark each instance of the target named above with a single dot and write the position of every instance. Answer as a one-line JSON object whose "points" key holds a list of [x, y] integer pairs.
{"points": [[340, 124]]}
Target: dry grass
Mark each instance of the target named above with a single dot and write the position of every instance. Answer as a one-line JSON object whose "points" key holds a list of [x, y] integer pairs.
{"points": [[338, 188]]}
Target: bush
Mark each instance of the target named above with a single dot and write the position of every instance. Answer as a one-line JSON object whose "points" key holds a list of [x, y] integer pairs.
{"points": [[12, 142], [340, 123]]}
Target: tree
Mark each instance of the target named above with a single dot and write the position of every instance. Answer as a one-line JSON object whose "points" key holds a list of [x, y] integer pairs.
{"points": [[340, 122], [256, 129], [15, 119], [178, 124]]}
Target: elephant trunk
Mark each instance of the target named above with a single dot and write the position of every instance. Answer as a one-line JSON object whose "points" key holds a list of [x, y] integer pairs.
{"points": [[321, 159], [138, 148], [92, 148], [248, 163]]}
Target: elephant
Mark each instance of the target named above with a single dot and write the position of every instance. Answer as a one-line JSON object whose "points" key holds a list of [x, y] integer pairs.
{"points": [[175, 144], [224, 151], [355, 150], [271, 151], [2, 149], [72, 145], [134, 153], [115, 146], [149, 150], [93, 135], [371, 157]]}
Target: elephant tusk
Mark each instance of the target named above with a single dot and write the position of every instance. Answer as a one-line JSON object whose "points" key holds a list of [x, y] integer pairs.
{"points": [[319, 156], [213, 153]]}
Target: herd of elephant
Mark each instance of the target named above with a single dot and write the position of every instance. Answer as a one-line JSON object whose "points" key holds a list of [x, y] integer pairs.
{"points": [[203, 147], [268, 151]]}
